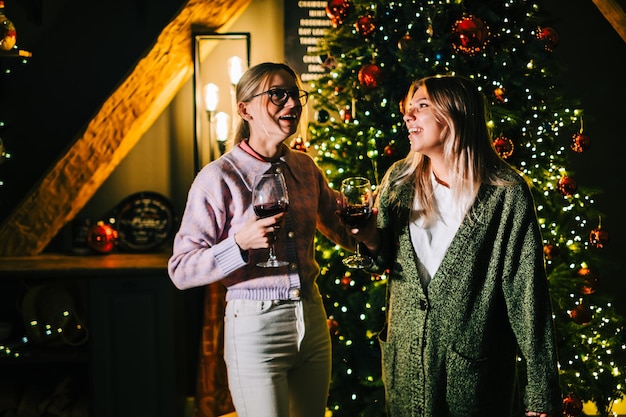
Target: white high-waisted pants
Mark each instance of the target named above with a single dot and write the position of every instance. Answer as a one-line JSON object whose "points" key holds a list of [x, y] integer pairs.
{"points": [[271, 373]]}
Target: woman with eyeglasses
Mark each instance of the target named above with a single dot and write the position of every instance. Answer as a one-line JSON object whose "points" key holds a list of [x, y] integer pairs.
{"points": [[277, 345]]}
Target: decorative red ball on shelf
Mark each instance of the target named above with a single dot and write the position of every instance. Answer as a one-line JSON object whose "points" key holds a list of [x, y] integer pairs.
{"points": [[504, 146], [598, 238], [572, 405], [365, 25], [567, 186], [469, 35], [337, 11], [549, 36], [580, 142], [370, 76], [581, 314], [102, 237]]}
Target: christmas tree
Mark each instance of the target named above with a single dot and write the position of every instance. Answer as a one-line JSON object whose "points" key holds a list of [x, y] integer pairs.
{"points": [[373, 52]]}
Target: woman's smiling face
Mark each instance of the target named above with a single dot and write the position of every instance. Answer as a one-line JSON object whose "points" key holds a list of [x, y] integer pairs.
{"points": [[424, 128], [269, 122]]}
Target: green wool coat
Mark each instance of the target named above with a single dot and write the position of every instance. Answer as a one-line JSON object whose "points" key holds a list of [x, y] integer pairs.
{"points": [[452, 351]]}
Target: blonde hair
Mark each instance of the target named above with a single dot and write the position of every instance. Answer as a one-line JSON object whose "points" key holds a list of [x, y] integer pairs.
{"points": [[472, 160]]}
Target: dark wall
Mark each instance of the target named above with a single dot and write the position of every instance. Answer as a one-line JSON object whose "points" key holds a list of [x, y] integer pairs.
{"points": [[81, 51], [594, 56]]}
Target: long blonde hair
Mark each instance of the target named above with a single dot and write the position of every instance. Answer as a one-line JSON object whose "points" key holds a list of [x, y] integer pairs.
{"points": [[472, 160]]}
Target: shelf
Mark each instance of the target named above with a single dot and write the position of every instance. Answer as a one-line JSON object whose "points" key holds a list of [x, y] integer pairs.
{"points": [[56, 265]]}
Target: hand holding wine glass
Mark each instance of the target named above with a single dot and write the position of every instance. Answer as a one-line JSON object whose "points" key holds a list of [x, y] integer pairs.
{"points": [[357, 201], [269, 198]]}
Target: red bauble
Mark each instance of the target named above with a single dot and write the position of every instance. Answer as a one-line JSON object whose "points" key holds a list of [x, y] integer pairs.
{"points": [[102, 237], [582, 314], [572, 406], [590, 281], [390, 150], [469, 35], [598, 238], [333, 326], [499, 94], [346, 281], [580, 142], [337, 11], [567, 186], [365, 25], [549, 36], [504, 146], [370, 76], [551, 251]]}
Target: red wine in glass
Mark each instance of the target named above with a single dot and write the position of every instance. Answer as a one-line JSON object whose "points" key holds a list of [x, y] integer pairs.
{"points": [[267, 210], [355, 216], [357, 201], [269, 198]]}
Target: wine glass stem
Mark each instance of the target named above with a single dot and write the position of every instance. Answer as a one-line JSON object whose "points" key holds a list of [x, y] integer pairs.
{"points": [[272, 256], [357, 250]]}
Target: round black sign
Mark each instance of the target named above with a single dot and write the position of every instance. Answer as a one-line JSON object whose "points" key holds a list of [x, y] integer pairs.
{"points": [[144, 221]]}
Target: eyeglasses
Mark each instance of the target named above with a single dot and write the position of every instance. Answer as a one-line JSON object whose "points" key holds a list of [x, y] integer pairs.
{"points": [[279, 96]]}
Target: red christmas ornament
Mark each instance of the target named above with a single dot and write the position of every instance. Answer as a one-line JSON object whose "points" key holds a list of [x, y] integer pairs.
{"points": [[504, 146], [337, 11], [390, 150], [549, 36], [346, 281], [580, 142], [590, 281], [298, 144], [370, 75], [499, 93], [551, 251], [333, 326], [581, 314], [567, 186], [102, 237], [469, 35], [365, 25], [346, 113], [598, 238], [572, 405]]}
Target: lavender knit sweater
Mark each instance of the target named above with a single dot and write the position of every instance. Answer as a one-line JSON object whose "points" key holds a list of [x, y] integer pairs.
{"points": [[219, 204]]}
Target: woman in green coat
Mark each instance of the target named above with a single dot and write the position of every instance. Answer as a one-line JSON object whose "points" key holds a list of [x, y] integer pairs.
{"points": [[468, 298]]}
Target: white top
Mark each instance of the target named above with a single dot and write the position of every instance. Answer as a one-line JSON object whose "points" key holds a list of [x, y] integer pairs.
{"points": [[431, 242]]}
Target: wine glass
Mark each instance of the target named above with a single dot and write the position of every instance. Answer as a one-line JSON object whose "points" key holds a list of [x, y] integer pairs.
{"points": [[357, 201], [269, 198]]}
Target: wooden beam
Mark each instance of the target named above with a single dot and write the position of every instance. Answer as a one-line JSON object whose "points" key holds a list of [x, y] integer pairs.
{"points": [[118, 125], [614, 13]]}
